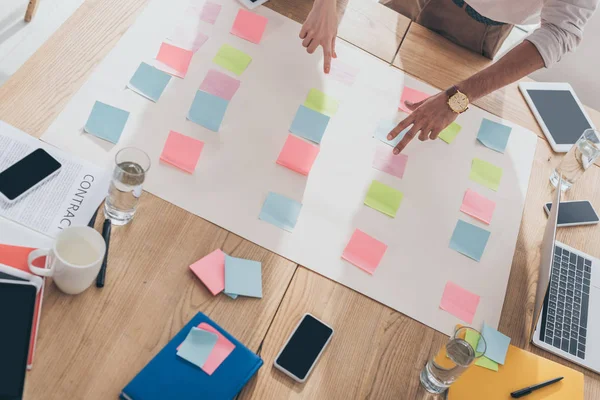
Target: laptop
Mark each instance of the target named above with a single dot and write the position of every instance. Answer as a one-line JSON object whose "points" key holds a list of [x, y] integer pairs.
{"points": [[567, 302]]}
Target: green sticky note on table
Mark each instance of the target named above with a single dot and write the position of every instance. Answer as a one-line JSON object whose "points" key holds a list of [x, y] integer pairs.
{"points": [[486, 174], [448, 134], [320, 102], [384, 198], [487, 363], [232, 59], [472, 338]]}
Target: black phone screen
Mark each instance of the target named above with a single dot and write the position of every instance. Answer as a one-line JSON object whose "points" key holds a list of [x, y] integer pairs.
{"points": [[26, 173], [17, 304], [575, 212], [304, 346]]}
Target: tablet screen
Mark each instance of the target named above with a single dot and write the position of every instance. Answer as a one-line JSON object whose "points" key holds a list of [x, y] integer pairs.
{"points": [[561, 114]]}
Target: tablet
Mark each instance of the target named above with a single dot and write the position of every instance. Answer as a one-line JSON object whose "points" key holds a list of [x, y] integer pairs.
{"points": [[558, 111]]}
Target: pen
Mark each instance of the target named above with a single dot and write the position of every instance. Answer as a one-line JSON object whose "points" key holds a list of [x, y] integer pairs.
{"points": [[106, 235], [529, 389], [93, 219]]}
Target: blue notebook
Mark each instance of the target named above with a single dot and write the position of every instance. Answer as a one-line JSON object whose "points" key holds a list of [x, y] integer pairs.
{"points": [[168, 376]]}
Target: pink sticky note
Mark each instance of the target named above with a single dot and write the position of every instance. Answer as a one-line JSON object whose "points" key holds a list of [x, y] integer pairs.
{"points": [[175, 58], [220, 84], [459, 302], [182, 151], [211, 271], [412, 95], [343, 72], [478, 206], [298, 155], [249, 26], [210, 12], [387, 162], [364, 251], [219, 353]]}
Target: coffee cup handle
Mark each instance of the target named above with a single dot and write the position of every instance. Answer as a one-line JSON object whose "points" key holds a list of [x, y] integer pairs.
{"points": [[36, 270]]}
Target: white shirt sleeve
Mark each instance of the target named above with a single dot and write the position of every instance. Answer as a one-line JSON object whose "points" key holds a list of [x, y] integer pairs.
{"points": [[562, 27]]}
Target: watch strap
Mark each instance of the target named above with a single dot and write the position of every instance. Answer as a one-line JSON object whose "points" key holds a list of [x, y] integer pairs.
{"points": [[452, 90]]}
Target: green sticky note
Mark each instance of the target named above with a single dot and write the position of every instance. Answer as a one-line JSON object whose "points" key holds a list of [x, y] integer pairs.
{"points": [[232, 59], [320, 102], [383, 198], [448, 134], [486, 174], [487, 363], [472, 338]]}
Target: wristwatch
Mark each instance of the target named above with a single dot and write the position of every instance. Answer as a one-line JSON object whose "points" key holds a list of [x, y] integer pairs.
{"points": [[457, 101]]}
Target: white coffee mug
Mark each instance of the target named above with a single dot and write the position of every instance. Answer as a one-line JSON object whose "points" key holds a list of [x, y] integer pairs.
{"points": [[74, 259]]}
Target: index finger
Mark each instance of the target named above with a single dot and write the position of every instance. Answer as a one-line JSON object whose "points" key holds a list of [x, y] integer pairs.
{"points": [[327, 59], [405, 123], [406, 140]]}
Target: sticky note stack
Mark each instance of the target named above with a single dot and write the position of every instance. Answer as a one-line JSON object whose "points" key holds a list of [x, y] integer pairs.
{"points": [[174, 60], [364, 251], [205, 347], [249, 26]]}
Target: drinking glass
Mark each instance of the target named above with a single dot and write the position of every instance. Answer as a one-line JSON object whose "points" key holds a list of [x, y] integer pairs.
{"points": [[125, 190], [464, 347], [583, 154]]}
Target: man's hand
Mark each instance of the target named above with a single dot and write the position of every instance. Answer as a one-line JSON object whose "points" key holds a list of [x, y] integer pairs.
{"points": [[429, 117], [320, 29]]}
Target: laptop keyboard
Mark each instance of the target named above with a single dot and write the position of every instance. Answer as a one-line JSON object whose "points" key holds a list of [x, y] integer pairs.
{"points": [[567, 311]]}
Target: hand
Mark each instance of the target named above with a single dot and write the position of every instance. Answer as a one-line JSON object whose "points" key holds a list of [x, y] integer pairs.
{"points": [[320, 29], [429, 117]]}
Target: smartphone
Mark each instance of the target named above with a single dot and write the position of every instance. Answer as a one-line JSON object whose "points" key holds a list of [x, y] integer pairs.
{"points": [[26, 174], [303, 348], [573, 213]]}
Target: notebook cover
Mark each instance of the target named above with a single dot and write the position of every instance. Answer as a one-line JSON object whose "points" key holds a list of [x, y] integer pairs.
{"points": [[168, 376]]}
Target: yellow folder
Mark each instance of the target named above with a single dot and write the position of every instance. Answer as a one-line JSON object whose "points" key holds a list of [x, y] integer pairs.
{"points": [[521, 369]]}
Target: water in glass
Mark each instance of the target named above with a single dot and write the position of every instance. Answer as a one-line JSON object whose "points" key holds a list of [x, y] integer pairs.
{"points": [[583, 154]]}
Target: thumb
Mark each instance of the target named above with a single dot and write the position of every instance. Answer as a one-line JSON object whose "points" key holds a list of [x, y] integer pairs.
{"points": [[413, 106]]}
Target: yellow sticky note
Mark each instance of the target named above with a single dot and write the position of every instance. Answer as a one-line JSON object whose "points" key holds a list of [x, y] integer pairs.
{"points": [[320, 102], [232, 59], [383, 198], [486, 174], [487, 363], [448, 134]]}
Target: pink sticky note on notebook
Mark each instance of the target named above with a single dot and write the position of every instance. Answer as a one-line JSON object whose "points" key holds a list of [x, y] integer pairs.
{"points": [[210, 12], [176, 59], [478, 206], [220, 84], [298, 155], [412, 95], [182, 151], [386, 161], [343, 72], [459, 302], [364, 251], [211, 271], [219, 353], [249, 26]]}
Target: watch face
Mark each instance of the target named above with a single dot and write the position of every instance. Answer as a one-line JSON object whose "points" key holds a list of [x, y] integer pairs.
{"points": [[459, 102]]}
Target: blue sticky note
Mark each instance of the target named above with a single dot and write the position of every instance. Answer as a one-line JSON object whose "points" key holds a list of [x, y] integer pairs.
{"points": [[384, 128], [280, 211], [106, 122], [494, 135], [243, 277], [469, 240], [233, 296], [197, 346], [148, 81], [309, 124], [496, 344], [207, 110]]}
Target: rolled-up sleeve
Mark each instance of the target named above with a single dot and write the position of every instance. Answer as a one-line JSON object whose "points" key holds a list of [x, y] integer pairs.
{"points": [[562, 27]]}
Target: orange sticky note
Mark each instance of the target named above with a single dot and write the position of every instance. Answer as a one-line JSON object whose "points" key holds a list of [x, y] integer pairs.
{"points": [[219, 353], [411, 95], [176, 60], [478, 206], [211, 271], [298, 155], [182, 151], [364, 251], [249, 26], [459, 302]]}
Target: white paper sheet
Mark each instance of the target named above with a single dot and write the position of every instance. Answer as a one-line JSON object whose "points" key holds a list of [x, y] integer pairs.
{"points": [[237, 168]]}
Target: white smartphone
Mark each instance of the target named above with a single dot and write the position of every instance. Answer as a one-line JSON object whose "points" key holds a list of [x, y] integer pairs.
{"points": [[26, 174], [573, 213], [303, 348]]}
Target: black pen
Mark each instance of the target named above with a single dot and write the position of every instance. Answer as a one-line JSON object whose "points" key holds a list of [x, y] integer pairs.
{"points": [[93, 219], [106, 235], [527, 390]]}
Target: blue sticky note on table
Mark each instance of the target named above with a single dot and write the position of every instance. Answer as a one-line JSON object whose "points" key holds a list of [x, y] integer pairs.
{"points": [[309, 124], [469, 240], [496, 344], [148, 81], [233, 296], [383, 129], [494, 135], [280, 211], [243, 277], [197, 346], [207, 110], [106, 122]]}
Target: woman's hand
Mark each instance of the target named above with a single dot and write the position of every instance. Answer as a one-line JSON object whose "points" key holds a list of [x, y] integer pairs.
{"points": [[320, 29]]}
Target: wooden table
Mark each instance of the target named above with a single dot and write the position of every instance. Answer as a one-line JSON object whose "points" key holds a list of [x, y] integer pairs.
{"points": [[91, 345]]}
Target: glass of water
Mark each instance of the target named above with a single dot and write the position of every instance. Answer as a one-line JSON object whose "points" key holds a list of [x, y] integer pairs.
{"points": [[464, 347], [577, 160], [125, 190]]}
